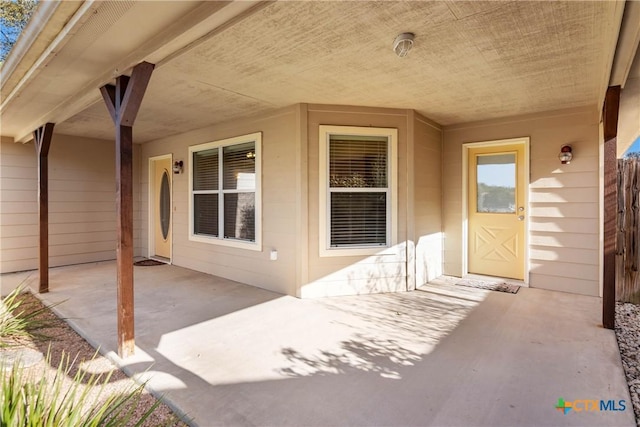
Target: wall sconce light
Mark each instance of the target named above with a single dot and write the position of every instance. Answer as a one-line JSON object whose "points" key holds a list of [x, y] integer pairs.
{"points": [[177, 166], [565, 155], [403, 44]]}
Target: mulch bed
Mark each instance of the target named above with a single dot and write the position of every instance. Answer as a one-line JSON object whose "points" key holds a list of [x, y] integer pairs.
{"points": [[58, 339]]}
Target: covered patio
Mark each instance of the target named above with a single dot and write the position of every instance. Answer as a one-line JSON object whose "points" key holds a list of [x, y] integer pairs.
{"points": [[225, 353], [223, 71]]}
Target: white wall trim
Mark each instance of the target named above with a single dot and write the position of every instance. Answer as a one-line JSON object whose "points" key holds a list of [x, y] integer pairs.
{"points": [[62, 37]]}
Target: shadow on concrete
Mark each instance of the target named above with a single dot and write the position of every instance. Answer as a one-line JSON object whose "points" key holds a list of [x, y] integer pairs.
{"points": [[230, 354]]}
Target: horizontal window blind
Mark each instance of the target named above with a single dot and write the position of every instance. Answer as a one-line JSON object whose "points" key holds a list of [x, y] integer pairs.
{"points": [[358, 187], [358, 163], [205, 214], [358, 219], [205, 170], [239, 167]]}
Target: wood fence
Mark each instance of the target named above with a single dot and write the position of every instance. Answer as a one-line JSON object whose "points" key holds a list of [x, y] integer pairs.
{"points": [[628, 239]]}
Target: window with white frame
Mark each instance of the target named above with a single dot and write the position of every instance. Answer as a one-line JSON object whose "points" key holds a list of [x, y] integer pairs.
{"points": [[225, 191], [358, 209]]}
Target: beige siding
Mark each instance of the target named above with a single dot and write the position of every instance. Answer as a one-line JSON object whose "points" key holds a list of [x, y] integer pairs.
{"points": [[81, 203], [342, 275], [82, 220], [563, 209], [427, 206], [18, 208], [279, 178]]}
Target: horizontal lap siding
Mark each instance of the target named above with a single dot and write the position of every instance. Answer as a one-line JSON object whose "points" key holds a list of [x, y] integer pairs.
{"points": [[564, 201], [564, 221], [350, 275], [82, 220], [278, 204], [82, 225], [18, 207], [452, 205], [427, 205]]}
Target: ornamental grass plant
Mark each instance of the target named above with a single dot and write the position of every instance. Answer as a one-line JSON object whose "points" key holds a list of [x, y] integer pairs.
{"points": [[18, 322], [73, 385], [28, 400]]}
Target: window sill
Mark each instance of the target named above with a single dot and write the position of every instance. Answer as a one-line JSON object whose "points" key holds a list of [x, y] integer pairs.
{"points": [[364, 251], [251, 246]]}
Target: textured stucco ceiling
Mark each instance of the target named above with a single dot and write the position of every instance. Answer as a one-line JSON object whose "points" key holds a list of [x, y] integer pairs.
{"points": [[471, 61]]}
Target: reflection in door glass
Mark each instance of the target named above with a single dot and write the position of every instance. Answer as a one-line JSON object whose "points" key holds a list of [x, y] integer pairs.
{"points": [[496, 183], [165, 205]]}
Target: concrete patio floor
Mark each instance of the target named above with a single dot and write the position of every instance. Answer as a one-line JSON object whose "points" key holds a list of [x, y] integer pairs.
{"points": [[229, 354]]}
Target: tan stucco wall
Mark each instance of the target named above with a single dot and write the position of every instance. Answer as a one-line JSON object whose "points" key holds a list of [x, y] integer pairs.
{"points": [[278, 204], [81, 203], [563, 211]]}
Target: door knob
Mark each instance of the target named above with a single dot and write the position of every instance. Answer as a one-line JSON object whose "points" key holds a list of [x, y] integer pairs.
{"points": [[521, 218], [520, 209]]}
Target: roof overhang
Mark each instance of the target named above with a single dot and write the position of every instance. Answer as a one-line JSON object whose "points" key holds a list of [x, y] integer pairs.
{"points": [[219, 61], [626, 74], [116, 47]]}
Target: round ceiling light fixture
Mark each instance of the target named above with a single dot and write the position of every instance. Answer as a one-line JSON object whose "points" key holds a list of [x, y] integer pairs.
{"points": [[403, 44]]}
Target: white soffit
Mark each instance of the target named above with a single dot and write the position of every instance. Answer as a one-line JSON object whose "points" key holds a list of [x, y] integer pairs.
{"points": [[45, 25], [626, 73], [114, 37], [629, 114], [471, 61], [627, 46]]}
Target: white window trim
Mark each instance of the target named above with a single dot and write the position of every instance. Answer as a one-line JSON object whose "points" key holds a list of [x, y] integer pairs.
{"points": [[324, 212], [254, 246]]}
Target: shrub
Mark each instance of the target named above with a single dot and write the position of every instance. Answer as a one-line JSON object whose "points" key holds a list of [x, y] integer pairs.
{"points": [[15, 321]]}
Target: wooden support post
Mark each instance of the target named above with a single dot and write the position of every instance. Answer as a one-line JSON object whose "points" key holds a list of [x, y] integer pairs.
{"points": [[42, 141], [123, 102], [610, 127]]}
